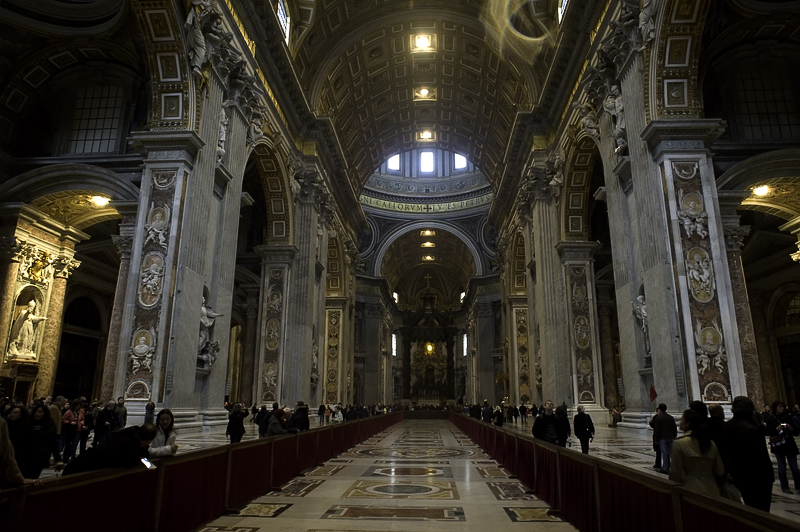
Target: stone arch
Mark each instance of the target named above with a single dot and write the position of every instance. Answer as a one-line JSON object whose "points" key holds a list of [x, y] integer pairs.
{"points": [[277, 192], [672, 59], [518, 280], [32, 80], [174, 105], [574, 205], [779, 170], [777, 295], [65, 191], [445, 226]]}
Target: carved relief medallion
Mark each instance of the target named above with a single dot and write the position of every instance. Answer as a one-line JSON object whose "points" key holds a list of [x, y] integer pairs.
{"points": [[164, 180], [143, 348], [700, 275], [151, 279]]}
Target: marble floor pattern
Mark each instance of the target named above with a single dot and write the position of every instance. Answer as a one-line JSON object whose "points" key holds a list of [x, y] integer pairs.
{"points": [[417, 475]]}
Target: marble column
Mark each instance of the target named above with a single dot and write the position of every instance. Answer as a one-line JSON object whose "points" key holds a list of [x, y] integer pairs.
{"points": [[584, 339], [551, 312], [704, 300], [310, 202], [405, 364], [734, 239], [484, 334], [271, 344], [766, 356], [123, 242], [51, 336], [605, 305], [248, 368], [10, 249], [373, 327]]}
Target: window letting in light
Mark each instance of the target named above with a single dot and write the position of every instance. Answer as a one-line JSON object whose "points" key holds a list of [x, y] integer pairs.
{"points": [[460, 162], [394, 295], [561, 9], [394, 345], [463, 295], [464, 345], [96, 120], [394, 162], [283, 18], [426, 162]]}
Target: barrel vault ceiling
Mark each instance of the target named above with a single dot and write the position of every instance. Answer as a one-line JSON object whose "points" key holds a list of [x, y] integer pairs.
{"points": [[358, 67]]}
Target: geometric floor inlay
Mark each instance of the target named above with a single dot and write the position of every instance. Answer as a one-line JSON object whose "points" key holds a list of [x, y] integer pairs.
{"points": [[528, 515], [510, 491], [407, 462], [324, 471], [395, 513], [299, 487], [258, 509], [493, 472], [402, 489], [423, 452], [405, 470]]}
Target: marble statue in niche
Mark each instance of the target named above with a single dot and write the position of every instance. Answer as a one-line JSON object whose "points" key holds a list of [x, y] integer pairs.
{"points": [[640, 310], [152, 279], [314, 368], [24, 332], [700, 275], [207, 348], [615, 106], [223, 134], [691, 214], [710, 349], [156, 225], [143, 348]]}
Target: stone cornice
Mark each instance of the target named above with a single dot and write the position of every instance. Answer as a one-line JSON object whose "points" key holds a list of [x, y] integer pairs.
{"points": [[149, 142], [581, 251], [277, 255], [681, 135]]}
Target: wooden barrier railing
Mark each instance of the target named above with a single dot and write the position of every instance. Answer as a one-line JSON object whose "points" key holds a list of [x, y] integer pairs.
{"points": [[596, 495], [184, 491]]}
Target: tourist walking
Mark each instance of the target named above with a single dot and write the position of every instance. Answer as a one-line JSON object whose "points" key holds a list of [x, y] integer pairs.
{"points": [[584, 429], [665, 432], [781, 441], [745, 454], [544, 426], [694, 458], [235, 427]]}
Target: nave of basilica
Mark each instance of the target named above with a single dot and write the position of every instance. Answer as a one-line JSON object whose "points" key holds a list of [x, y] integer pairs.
{"points": [[419, 202]]}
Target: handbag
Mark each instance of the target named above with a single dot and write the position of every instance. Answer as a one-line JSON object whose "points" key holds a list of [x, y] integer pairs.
{"points": [[777, 442]]}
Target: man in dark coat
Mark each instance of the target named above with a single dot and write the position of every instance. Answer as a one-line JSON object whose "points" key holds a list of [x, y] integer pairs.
{"points": [[105, 424], [745, 454], [584, 429], [665, 431], [487, 412], [544, 426]]}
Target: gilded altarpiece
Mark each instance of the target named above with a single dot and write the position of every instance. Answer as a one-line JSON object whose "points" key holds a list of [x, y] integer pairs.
{"points": [[706, 341]]}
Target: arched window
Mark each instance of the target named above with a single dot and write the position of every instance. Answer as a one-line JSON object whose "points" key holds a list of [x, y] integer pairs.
{"points": [[284, 19]]}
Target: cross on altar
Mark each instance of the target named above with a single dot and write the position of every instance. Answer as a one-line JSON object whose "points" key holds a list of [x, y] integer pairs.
{"points": [[428, 279]]}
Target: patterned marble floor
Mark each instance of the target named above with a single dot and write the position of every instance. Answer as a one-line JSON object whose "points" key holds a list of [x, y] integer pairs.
{"points": [[626, 448], [417, 475]]}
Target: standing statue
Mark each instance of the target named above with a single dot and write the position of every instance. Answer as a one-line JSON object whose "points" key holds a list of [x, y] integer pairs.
{"points": [[614, 106], [647, 25], [24, 332], [207, 348], [199, 12], [223, 134], [640, 309]]}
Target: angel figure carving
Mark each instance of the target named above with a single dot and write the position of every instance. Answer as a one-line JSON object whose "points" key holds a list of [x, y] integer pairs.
{"points": [[141, 355], [157, 226], [24, 332]]}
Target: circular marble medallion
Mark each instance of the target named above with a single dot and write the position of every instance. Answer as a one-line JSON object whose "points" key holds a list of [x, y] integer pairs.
{"points": [[403, 489], [416, 452]]}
